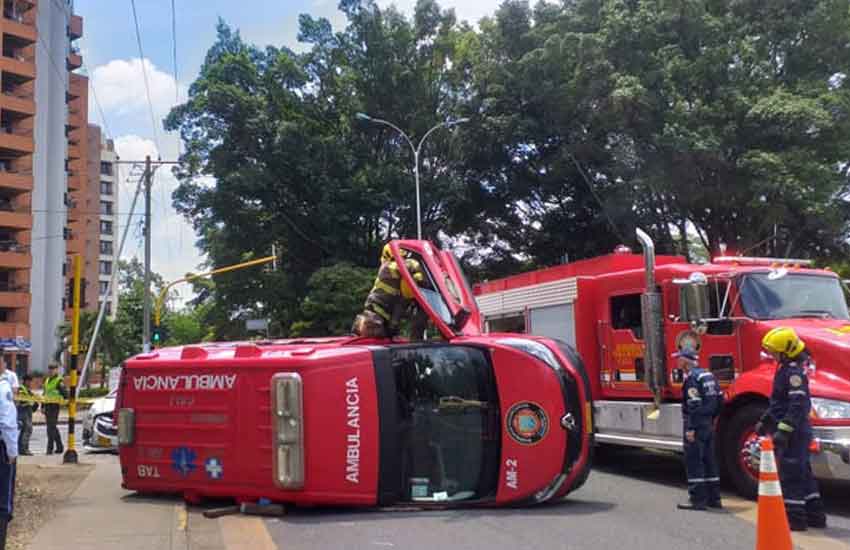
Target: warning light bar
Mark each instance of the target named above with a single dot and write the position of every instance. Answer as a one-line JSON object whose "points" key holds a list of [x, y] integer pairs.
{"points": [[751, 260]]}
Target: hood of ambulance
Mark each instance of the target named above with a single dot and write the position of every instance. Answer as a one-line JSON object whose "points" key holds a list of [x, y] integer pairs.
{"points": [[828, 341], [341, 426], [533, 441]]}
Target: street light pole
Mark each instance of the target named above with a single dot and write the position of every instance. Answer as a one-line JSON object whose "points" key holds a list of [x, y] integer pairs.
{"points": [[416, 150]]}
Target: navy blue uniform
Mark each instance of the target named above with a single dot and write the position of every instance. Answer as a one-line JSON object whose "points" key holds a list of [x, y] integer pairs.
{"points": [[788, 414], [8, 455], [701, 402]]}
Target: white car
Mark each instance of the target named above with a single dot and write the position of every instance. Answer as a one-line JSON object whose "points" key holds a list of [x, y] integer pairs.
{"points": [[99, 431]]}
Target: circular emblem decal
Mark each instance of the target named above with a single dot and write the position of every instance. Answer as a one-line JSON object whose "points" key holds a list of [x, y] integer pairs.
{"points": [[796, 381], [527, 423], [693, 393], [688, 339]]}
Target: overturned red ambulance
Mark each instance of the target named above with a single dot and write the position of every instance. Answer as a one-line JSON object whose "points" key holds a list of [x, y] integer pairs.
{"points": [[466, 419]]}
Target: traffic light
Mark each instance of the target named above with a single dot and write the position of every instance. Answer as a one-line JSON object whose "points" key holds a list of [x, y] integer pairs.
{"points": [[158, 335]]}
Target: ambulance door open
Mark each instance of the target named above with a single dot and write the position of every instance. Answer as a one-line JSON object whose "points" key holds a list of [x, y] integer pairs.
{"points": [[706, 327]]}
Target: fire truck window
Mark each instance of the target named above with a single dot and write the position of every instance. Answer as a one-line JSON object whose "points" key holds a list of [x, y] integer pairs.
{"points": [[723, 367], [625, 314], [451, 434], [515, 324], [430, 291]]}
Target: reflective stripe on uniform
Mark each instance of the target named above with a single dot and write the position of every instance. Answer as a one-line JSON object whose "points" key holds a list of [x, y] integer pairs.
{"points": [[381, 285], [380, 311], [703, 375], [695, 399], [770, 489], [798, 392], [697, 480], [712, 479], [795, 502], [812, 496]]}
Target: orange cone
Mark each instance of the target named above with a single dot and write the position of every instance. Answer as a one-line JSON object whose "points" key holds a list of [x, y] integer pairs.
{"points": [[772, 532]]}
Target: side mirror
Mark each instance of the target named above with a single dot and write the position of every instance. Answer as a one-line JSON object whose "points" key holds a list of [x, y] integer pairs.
{"points": [[693, 302], [460, 318]]}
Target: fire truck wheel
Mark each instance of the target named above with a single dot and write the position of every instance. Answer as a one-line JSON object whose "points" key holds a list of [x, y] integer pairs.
{"points": [[740, 460]]}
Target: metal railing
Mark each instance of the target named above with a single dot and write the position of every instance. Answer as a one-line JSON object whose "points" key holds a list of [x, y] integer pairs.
{"points": [[13, 246]]}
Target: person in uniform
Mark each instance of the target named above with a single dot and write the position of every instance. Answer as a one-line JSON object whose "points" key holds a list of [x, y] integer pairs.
{"points": [[54, 388], [787, 418], [390, 299], [8, 455], [26, 408], [701, 403]]}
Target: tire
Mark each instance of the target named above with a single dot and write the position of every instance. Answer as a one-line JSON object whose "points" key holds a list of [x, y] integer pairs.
{"points": [[738, 428]]}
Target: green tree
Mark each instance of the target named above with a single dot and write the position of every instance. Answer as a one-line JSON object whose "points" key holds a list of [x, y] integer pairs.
{"points": [[335, 295]]}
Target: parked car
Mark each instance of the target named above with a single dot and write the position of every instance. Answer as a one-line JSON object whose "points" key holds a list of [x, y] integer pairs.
{"points": [[99, 430]]}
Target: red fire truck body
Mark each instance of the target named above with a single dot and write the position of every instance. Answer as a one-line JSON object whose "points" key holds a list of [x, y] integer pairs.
{"points": [[600, 306], [468, 419]]}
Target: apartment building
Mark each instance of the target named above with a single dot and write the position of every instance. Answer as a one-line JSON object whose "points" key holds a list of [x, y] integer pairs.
{"points": [[43, 143], [107, 184]]}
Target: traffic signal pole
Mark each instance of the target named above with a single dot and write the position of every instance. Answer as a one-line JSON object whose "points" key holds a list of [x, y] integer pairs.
{"points": [[164, 292], [70, 456]]}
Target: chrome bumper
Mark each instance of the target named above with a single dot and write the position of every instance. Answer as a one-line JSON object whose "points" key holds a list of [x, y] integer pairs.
{"points": [[833, 460]]}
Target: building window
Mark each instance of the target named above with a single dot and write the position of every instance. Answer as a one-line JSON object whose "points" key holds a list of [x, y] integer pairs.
{"points": [[104, 287], [106, 168], [106, 188], [105, 228], [106, 208], [106, 247], [109, 308], [106, 268]]}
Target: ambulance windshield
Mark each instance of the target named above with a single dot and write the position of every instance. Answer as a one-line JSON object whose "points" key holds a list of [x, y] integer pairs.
{"points": [[449, 415], [792, 295]]}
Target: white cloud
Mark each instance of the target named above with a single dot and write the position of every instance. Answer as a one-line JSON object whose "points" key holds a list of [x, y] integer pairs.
{"points": [[120, 89]]}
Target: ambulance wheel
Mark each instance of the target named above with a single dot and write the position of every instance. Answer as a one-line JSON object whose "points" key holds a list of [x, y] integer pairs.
{"points": [[740, 460]]}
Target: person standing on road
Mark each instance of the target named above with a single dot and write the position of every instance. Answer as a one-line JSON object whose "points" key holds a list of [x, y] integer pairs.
{"points": [[25, 412], [787, 417], [8, 455], [54, 389], [701, 402]]}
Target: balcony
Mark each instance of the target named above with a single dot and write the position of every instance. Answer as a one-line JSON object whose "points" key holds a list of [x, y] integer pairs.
{"points": [[12, 179], [15, 330], [16, 139], [75, 27], [15, 260], [19, 25], [17, 100], [18, 64], [15, 219], [74, 61], [74, 151], [16, 297]]}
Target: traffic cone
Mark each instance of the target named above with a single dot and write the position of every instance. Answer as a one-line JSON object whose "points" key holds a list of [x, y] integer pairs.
{"points": [[772, 532]]}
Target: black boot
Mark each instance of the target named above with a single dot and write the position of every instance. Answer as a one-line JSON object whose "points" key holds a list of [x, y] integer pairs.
{"points": [[3, 524], [690, 505], [797, 523], [815, 513]]}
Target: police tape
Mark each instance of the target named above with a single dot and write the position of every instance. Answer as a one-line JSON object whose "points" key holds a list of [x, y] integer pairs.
{"points": [[53, 400]]}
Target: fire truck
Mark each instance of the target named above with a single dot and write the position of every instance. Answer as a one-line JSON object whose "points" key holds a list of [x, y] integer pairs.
{"points": [[627, 313], [459, 419]]}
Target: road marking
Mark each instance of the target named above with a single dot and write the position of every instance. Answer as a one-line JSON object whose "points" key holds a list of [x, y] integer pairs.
{"points": [[245, 533], [809, 540], [179, 535]]}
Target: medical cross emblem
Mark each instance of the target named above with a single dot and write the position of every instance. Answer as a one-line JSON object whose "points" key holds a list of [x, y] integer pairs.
{"points": [[214, 468]]}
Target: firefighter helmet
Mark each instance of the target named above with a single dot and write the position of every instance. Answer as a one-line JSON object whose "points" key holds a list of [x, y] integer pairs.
{"points": [[783, 340]]}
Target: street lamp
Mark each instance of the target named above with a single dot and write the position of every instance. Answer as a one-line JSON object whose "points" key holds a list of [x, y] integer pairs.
{"points": [[416, 150]]}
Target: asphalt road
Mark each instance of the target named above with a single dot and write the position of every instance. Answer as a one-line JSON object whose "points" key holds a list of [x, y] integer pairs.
{"points": [[38, 442], [628, 502]]}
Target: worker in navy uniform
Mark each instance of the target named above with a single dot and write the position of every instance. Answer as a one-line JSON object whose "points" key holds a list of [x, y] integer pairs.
{"points": [[701, 403], [8, 455], [787, 418], [25, 410], [391, 299]]}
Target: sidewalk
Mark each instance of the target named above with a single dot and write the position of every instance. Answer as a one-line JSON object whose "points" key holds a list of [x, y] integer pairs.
{"points": [[100, 515]]}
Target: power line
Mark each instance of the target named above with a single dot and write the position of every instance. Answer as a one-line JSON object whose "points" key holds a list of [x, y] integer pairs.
{"points": [[145, 73]]}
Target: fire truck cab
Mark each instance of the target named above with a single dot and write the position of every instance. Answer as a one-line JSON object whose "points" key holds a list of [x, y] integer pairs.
{"points": [[626, 314], [459, 419]]}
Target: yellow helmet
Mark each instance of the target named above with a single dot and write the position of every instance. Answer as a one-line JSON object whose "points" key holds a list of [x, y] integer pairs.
{"points": [[783, 340], [387, 253]]}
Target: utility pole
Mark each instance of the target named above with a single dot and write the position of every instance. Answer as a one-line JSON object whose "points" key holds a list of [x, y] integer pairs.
{"points": [[146, 339]]}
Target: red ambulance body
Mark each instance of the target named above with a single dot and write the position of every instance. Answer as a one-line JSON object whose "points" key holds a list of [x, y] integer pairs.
{"points": [[468, 419], [626, 315]]}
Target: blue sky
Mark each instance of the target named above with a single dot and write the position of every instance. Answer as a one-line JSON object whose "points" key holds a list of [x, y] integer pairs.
{"points": [[112, 59]]}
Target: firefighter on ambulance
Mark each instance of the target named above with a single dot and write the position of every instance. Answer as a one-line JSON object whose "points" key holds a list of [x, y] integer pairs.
{"points": [[787, 417], [390, 299], [701, 403]]}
